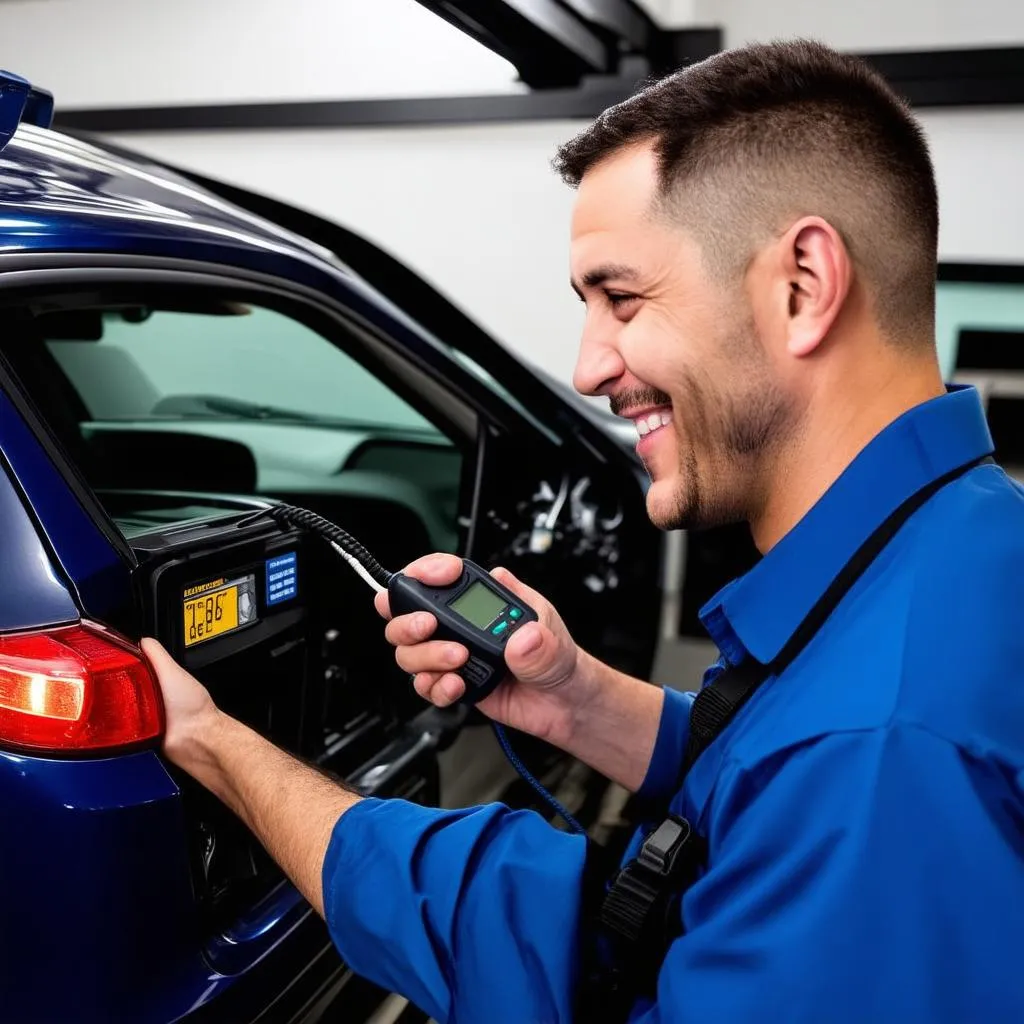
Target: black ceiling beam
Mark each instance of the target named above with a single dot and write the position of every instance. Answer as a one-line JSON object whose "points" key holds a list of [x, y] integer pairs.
{"points": [[990, 76], [636, 29], [555, 44], [551, 104], [548, 42]]}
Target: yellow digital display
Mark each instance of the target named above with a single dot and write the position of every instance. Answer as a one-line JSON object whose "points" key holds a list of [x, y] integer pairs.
{"points": [[218, 607]]}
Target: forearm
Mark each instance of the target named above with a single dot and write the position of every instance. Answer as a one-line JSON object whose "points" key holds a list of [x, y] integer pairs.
{"points": [[614, 721], [290, 807]]}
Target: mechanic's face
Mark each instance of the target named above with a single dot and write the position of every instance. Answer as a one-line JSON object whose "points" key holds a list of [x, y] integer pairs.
{"points": [[673, 350]]}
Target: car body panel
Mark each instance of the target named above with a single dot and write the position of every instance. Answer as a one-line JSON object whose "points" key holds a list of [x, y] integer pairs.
{"points": [[123, 813], [66, 194], [42, 598], [94, 571]]}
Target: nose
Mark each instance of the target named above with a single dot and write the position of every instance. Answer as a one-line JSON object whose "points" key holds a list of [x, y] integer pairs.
{"points": [[599, 364]]}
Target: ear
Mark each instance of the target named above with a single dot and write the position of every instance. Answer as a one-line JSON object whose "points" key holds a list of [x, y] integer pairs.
{"points": [[819, 271]]}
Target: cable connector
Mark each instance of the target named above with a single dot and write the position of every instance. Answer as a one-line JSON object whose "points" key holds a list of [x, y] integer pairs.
{"points": [[368, 568]]}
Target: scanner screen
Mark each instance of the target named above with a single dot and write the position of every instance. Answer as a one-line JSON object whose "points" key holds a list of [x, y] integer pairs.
{"points": [[479, 605]]}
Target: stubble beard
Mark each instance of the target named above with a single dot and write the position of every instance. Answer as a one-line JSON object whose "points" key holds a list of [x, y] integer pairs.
{"points": [[737, 436]]}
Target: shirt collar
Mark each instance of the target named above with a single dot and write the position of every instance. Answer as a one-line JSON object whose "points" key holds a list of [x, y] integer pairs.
{"points": [[760, 611]]}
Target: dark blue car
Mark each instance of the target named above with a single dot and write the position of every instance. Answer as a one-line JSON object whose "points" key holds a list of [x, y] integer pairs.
{"points": [[175, 355]]}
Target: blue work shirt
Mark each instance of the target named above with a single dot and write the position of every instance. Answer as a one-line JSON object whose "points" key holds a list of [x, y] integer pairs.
{"points": [[863, 811]]}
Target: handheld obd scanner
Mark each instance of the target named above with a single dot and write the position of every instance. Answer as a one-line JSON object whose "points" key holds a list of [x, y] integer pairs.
{"points": [[476, 611]]}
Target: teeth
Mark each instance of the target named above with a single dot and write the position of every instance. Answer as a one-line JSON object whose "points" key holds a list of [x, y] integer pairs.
{"points": [[653, 421]]}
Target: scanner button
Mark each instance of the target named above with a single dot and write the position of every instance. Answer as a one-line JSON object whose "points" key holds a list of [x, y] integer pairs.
{"points": [[514, 613], [500, 628]]}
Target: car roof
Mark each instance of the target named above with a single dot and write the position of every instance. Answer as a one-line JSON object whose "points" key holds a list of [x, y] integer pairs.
{"points": [[59, 192]]}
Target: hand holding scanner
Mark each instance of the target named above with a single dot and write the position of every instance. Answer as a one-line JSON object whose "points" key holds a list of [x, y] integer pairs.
{"points": [[475, 611]]}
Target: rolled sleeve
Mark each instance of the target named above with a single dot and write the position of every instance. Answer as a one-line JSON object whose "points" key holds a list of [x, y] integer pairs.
{"points": [[664, 774], [471, 914]]}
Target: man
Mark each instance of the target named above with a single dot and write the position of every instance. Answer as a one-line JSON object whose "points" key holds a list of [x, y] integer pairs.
{"points": [[755, 242]]}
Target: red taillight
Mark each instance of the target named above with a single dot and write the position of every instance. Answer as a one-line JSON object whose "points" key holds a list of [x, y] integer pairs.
{"points": [[78, 688]]}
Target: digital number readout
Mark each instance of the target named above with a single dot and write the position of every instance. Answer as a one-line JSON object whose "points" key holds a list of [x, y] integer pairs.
{"points": [[217, 608]]}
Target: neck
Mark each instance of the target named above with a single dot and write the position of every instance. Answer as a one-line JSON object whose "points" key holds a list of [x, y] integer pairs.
{"points": [[839, 422]]}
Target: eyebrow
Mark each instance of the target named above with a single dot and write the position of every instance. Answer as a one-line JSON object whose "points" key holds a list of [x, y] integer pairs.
{"points": [[605, 272]]}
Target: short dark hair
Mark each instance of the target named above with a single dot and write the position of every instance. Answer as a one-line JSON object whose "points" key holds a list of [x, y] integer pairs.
{"points": [[768, 131]]}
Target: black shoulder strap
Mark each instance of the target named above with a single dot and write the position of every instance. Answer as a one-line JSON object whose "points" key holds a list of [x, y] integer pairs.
{"points": [[717, 702]]}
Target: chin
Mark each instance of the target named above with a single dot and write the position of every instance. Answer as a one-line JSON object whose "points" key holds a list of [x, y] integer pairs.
{"points": [[664, 508]]}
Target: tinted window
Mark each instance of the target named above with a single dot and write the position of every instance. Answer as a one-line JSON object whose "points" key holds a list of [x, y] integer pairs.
{"points": [[171, 413], [249, 363]]}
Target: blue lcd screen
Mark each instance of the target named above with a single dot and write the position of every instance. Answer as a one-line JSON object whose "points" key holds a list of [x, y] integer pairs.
{"points": [[282, 578]]}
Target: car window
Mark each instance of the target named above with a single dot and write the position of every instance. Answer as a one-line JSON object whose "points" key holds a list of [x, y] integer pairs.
{"points": [[172, 413], [248, 363]]}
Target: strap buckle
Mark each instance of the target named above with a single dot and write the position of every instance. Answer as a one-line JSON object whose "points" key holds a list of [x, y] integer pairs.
{"points": [[636, 908], [660, 851]]}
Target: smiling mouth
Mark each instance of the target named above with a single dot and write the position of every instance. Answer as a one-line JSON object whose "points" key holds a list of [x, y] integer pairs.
{"points": [[652, 422]]}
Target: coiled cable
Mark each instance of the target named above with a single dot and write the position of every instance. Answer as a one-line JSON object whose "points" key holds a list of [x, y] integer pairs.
{"points": [[358, 556]]}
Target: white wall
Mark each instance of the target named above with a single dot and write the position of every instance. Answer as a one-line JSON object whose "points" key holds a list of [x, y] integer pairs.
{"points": [[870, 25], [979, 163], [671, 13], [478, 211], [114, 53]]}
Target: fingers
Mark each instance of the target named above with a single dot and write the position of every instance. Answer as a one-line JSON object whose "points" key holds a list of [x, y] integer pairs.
{"points": [[435, 656], [155, 653], [189, 711], [536, 655], [410, 629], [538, 602], [533, 642], [437, 569], [164, 666], [173, 679], [541, 653], [441, 689]]}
